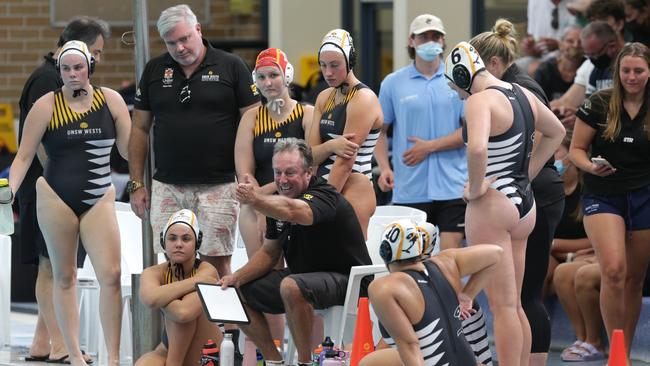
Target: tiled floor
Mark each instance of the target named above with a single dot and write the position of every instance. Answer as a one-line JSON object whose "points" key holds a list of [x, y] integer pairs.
{"points": [[22, 330]]}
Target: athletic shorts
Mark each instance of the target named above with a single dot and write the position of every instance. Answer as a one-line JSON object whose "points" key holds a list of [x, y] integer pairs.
{"points": [[633, 207], [32, 244], [321, 289], [215, 206], [448, 215]]}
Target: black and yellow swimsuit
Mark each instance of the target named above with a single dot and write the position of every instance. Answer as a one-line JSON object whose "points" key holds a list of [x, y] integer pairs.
{"points": [[172, 275], [78, 146], [267, 132], [332, 125]]}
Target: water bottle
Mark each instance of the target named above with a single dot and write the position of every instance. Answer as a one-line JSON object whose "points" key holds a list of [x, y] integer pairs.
{"points": [[227, 351], [332, 360], [327, 345], [210, 354], [6, 213]]}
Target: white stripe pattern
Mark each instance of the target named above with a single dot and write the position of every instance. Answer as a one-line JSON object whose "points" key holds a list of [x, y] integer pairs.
{"points": [[502, 155], [101, 156]]}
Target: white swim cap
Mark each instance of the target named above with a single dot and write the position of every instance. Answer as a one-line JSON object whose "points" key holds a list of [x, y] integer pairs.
{"points": [[430, 237], [400, 240], [77, 48], [339, 40], [186, 217], [462, 64]]}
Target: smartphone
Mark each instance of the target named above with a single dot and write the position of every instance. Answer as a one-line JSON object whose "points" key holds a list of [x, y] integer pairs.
{"points": [[601, 161]]}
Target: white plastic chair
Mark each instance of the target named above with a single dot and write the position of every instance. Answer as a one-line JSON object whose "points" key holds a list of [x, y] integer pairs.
{"points": [[5, 289], [91, 333]]}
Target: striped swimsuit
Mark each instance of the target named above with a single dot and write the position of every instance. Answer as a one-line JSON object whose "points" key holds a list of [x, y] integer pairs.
{"points": [[332, 124]]}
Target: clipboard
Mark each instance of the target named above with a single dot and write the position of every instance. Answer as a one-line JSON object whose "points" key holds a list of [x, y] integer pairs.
{"points": [[224, 306]]}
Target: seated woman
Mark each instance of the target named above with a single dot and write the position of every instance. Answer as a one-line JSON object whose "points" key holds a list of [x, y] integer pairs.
{"points": [[419, 291], [573, 268], [170, 287]]}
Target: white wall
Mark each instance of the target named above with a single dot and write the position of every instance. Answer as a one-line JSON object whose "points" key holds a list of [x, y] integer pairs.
{"points": [[298, 26]]}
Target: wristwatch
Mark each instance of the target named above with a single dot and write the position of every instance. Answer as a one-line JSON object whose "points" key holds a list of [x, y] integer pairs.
{"points": [[133, 185]]}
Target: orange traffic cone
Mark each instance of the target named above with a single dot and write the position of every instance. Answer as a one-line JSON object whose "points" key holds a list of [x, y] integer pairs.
{"points": [[617, 351], [362, 344]]}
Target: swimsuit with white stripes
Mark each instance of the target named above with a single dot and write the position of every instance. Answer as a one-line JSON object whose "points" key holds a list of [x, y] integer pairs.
{"points": [[332, 124], [509, 153], [78, 147], [439, 331]]}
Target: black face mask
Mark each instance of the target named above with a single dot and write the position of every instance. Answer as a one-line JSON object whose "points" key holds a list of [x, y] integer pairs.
{"points": [[601, 62]]}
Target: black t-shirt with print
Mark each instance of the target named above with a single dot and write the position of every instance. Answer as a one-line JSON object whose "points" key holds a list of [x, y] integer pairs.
{"points": [[333, 243], [194, 141], [629, 153]]}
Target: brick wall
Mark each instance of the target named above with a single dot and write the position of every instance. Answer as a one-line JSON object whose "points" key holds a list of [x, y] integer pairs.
{"points": [[26, 35]]}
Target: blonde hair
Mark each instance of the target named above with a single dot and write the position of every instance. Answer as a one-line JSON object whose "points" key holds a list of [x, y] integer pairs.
{"points": [[501, 42], [614, 112]]}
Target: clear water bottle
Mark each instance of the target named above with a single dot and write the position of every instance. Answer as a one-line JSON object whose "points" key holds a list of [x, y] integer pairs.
{"points": [[6, 213], [227, 351]]}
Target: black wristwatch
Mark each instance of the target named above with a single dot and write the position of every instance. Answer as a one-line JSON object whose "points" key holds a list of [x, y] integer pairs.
{"points": [[133, 185]]}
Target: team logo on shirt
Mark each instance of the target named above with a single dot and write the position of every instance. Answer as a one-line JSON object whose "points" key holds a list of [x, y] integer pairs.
{"points": [[278, 134], [254, 89], [168, 77], [210, 77], [628, 139], [307, 196]]}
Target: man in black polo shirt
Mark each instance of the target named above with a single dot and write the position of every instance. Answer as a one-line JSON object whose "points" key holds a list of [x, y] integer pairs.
{"points": [[316, 229], [193, 96], [48, 341]]}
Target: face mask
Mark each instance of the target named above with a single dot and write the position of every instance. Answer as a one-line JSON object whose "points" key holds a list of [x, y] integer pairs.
{"points": [[559, 165], [602, 62], [429, 51]]}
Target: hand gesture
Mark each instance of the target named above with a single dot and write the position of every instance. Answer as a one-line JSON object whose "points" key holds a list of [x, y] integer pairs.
{"points": [[465, 306], [386, 180], [228, 280], [418, 152], [485, 185], [247, 190], [343, 146], [140, 202]]}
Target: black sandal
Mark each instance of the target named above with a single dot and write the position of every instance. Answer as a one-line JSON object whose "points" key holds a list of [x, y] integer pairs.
{"points": [[31, 358]]}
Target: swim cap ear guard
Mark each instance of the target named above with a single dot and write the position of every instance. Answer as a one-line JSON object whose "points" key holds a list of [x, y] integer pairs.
{"points": [[400, 240], [188, 218], [275, 57], [79, 48], [341, 41], [430, 238], [462, 65]]}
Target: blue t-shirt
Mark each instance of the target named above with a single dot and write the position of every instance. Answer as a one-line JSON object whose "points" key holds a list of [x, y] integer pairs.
{"points": [[428, 109]]}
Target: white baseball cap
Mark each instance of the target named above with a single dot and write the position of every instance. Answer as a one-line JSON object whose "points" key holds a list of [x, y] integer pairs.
{"points": [[426, 22]]}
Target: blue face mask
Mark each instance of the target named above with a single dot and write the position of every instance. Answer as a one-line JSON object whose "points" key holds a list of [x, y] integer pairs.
{"points": [[559, 165], [429, 51]]}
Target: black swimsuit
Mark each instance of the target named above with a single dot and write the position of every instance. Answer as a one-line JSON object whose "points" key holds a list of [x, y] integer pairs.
{"points": [[439, 332], [332, 125], [267, 132], [78, 146], [509, 153]]}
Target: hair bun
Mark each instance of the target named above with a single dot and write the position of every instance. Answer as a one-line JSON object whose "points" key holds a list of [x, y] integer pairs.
{"points": [[504, 28]]}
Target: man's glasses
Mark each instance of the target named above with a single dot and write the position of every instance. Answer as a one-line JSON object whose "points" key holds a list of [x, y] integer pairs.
{"points": [[555, 17], [185, 94]]}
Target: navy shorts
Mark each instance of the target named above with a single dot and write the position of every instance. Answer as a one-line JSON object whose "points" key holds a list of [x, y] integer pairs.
{"points": [[449, 215], [321, 289], [633, 207]]}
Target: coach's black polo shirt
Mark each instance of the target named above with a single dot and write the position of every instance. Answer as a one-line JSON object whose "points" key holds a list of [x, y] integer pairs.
{"points": [[194, 141], [333, 243]]}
